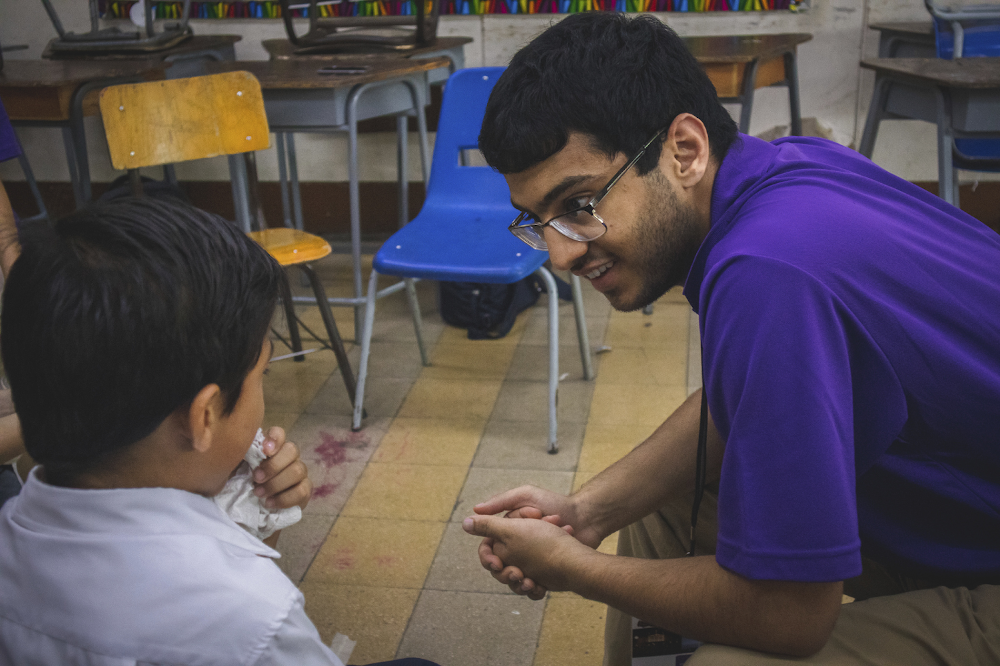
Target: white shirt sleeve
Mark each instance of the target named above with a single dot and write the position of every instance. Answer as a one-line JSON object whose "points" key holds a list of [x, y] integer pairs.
{"points": [[297, 642]]}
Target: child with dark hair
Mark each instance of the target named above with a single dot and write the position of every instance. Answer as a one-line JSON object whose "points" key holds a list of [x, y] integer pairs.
{"points": [[134, 335]]}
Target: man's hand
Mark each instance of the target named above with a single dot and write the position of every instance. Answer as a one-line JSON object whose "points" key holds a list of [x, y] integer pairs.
{"points": [[282, 480], [537, 547], [536, 503]]}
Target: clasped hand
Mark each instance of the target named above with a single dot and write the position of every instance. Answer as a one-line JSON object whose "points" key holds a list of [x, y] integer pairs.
{"points": [[531, 547]]}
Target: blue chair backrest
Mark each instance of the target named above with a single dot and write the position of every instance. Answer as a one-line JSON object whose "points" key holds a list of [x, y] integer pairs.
{"points": [[453, 185]]}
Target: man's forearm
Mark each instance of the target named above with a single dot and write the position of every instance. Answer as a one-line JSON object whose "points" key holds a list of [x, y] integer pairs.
{"points": [[658, 470], [698, 599], [10, 248]]}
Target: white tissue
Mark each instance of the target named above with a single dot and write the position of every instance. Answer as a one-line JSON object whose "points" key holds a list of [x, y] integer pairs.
{"points": [[245, 508], [342, 646]]}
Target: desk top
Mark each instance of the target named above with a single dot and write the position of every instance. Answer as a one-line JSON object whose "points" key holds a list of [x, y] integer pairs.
{"points": [[282, 49], [190, 45], [302, 74], [743, 48], [916, 28], [63, 73], [974, 73]]}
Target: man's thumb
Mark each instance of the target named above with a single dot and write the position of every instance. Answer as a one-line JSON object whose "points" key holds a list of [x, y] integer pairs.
{"points": [[484, 526]]}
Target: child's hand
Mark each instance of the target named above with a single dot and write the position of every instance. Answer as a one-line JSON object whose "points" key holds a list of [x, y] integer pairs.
{"points": [[282, 478]]}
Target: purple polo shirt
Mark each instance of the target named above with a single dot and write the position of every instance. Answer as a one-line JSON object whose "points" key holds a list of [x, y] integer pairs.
{"points": [[9, 147], [850, 324]]}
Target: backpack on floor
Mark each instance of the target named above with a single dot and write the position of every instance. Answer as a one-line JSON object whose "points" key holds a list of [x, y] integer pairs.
{"points": [[488, 310]]}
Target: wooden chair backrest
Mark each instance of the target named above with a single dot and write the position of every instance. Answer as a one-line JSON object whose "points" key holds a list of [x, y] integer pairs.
{"points": [[163, 122]]}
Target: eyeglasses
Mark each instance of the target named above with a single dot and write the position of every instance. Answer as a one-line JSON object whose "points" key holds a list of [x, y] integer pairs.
{"points": [[580, 224]]}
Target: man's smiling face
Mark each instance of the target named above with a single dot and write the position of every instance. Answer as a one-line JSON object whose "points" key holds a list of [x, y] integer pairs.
{"points": [[652, 232]]}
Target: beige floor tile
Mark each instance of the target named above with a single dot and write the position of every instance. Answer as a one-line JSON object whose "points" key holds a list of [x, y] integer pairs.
{"points": [[377, 552], [529, 401], [524, 445], [332, 486], [430, 441], [666, 327], [537, 330], [473, 360], [383, 396], [406, 492], [572, 632], [634, 405], [471, 629], [456, 565], [375, 617], [299, 543], [290, 392], [531, 363], [449, 399], [284, 420], [321, 362], [604, 444], [483, 483], [659, 366], [581, 478], [390, 360]]}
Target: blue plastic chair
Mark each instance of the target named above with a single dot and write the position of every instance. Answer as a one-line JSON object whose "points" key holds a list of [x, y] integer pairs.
{"points": [[461, 233], [968, 31]]}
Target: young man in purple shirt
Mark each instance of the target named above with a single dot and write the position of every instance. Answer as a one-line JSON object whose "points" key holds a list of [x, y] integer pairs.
{"points": [[850, 327]]}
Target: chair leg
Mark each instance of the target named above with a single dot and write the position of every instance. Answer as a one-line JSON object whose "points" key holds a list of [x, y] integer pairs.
{"points": [[581, 329], [366, 345], [411, 295], [293, 326], [553, 292], [336, 344]]}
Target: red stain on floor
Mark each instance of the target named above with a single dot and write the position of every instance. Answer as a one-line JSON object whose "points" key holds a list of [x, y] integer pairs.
{"points": [[343, 559], [333, 450], [386, 560], [324, 490]]}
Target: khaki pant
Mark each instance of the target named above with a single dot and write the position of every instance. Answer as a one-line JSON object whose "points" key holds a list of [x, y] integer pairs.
{"points": [[897, 623]]}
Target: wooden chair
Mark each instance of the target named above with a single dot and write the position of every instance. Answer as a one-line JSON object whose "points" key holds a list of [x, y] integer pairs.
{"points": [[163, 122]]}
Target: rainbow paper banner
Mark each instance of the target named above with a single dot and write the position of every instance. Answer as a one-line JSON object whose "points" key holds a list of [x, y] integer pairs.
{"points": [[270, 9]]}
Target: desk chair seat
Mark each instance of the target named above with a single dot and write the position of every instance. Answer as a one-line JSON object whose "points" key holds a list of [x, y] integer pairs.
{"points": [[461, 232], [161, 122]]}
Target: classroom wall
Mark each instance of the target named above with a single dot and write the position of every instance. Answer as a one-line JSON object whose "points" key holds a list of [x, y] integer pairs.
{"points": [[834, 90]]}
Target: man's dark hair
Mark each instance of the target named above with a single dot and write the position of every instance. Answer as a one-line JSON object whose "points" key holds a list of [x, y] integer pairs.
{"points": [[616, 78], [118, 314]]}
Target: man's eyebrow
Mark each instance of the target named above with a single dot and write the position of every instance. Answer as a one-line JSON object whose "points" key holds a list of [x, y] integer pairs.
{"points": [[556, 192]]}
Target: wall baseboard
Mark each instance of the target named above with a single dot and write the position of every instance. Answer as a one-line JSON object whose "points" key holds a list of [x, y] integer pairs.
{"points": [[326, 210]]}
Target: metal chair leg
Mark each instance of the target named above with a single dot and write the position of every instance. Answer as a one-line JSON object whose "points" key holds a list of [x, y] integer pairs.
{"points": [[411, 296], [336, 344], [581, 329], [553, 292], [293, 325], [366, 344]]}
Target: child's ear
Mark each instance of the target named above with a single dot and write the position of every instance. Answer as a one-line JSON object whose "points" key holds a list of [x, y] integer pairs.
{"points": [[203, 417]]}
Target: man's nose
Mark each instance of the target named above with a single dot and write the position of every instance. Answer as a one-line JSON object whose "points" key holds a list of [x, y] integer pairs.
{"points": [[563, 252]]}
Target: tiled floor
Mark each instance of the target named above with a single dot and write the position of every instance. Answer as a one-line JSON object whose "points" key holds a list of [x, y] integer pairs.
{"points": [[380, 553]]}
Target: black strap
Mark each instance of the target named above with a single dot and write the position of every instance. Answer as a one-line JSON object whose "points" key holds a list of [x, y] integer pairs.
{"points": [[701, 463]]}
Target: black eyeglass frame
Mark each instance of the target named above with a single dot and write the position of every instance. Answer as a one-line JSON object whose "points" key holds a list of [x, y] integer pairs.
{"points": [[520, 230]]}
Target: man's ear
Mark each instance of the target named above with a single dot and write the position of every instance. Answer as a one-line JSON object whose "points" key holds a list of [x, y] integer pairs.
{"points": [[686, 151], [203, 417]]}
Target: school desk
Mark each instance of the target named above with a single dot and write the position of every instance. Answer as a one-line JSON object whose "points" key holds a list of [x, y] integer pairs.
{"points": [[452, 48], [962, 97], [50, 93], [740, 64], [298, 98], [907, 39], [186, 58]]}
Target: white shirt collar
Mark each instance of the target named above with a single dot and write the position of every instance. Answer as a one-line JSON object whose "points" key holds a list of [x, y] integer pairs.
{"points": [[128, 512]]}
